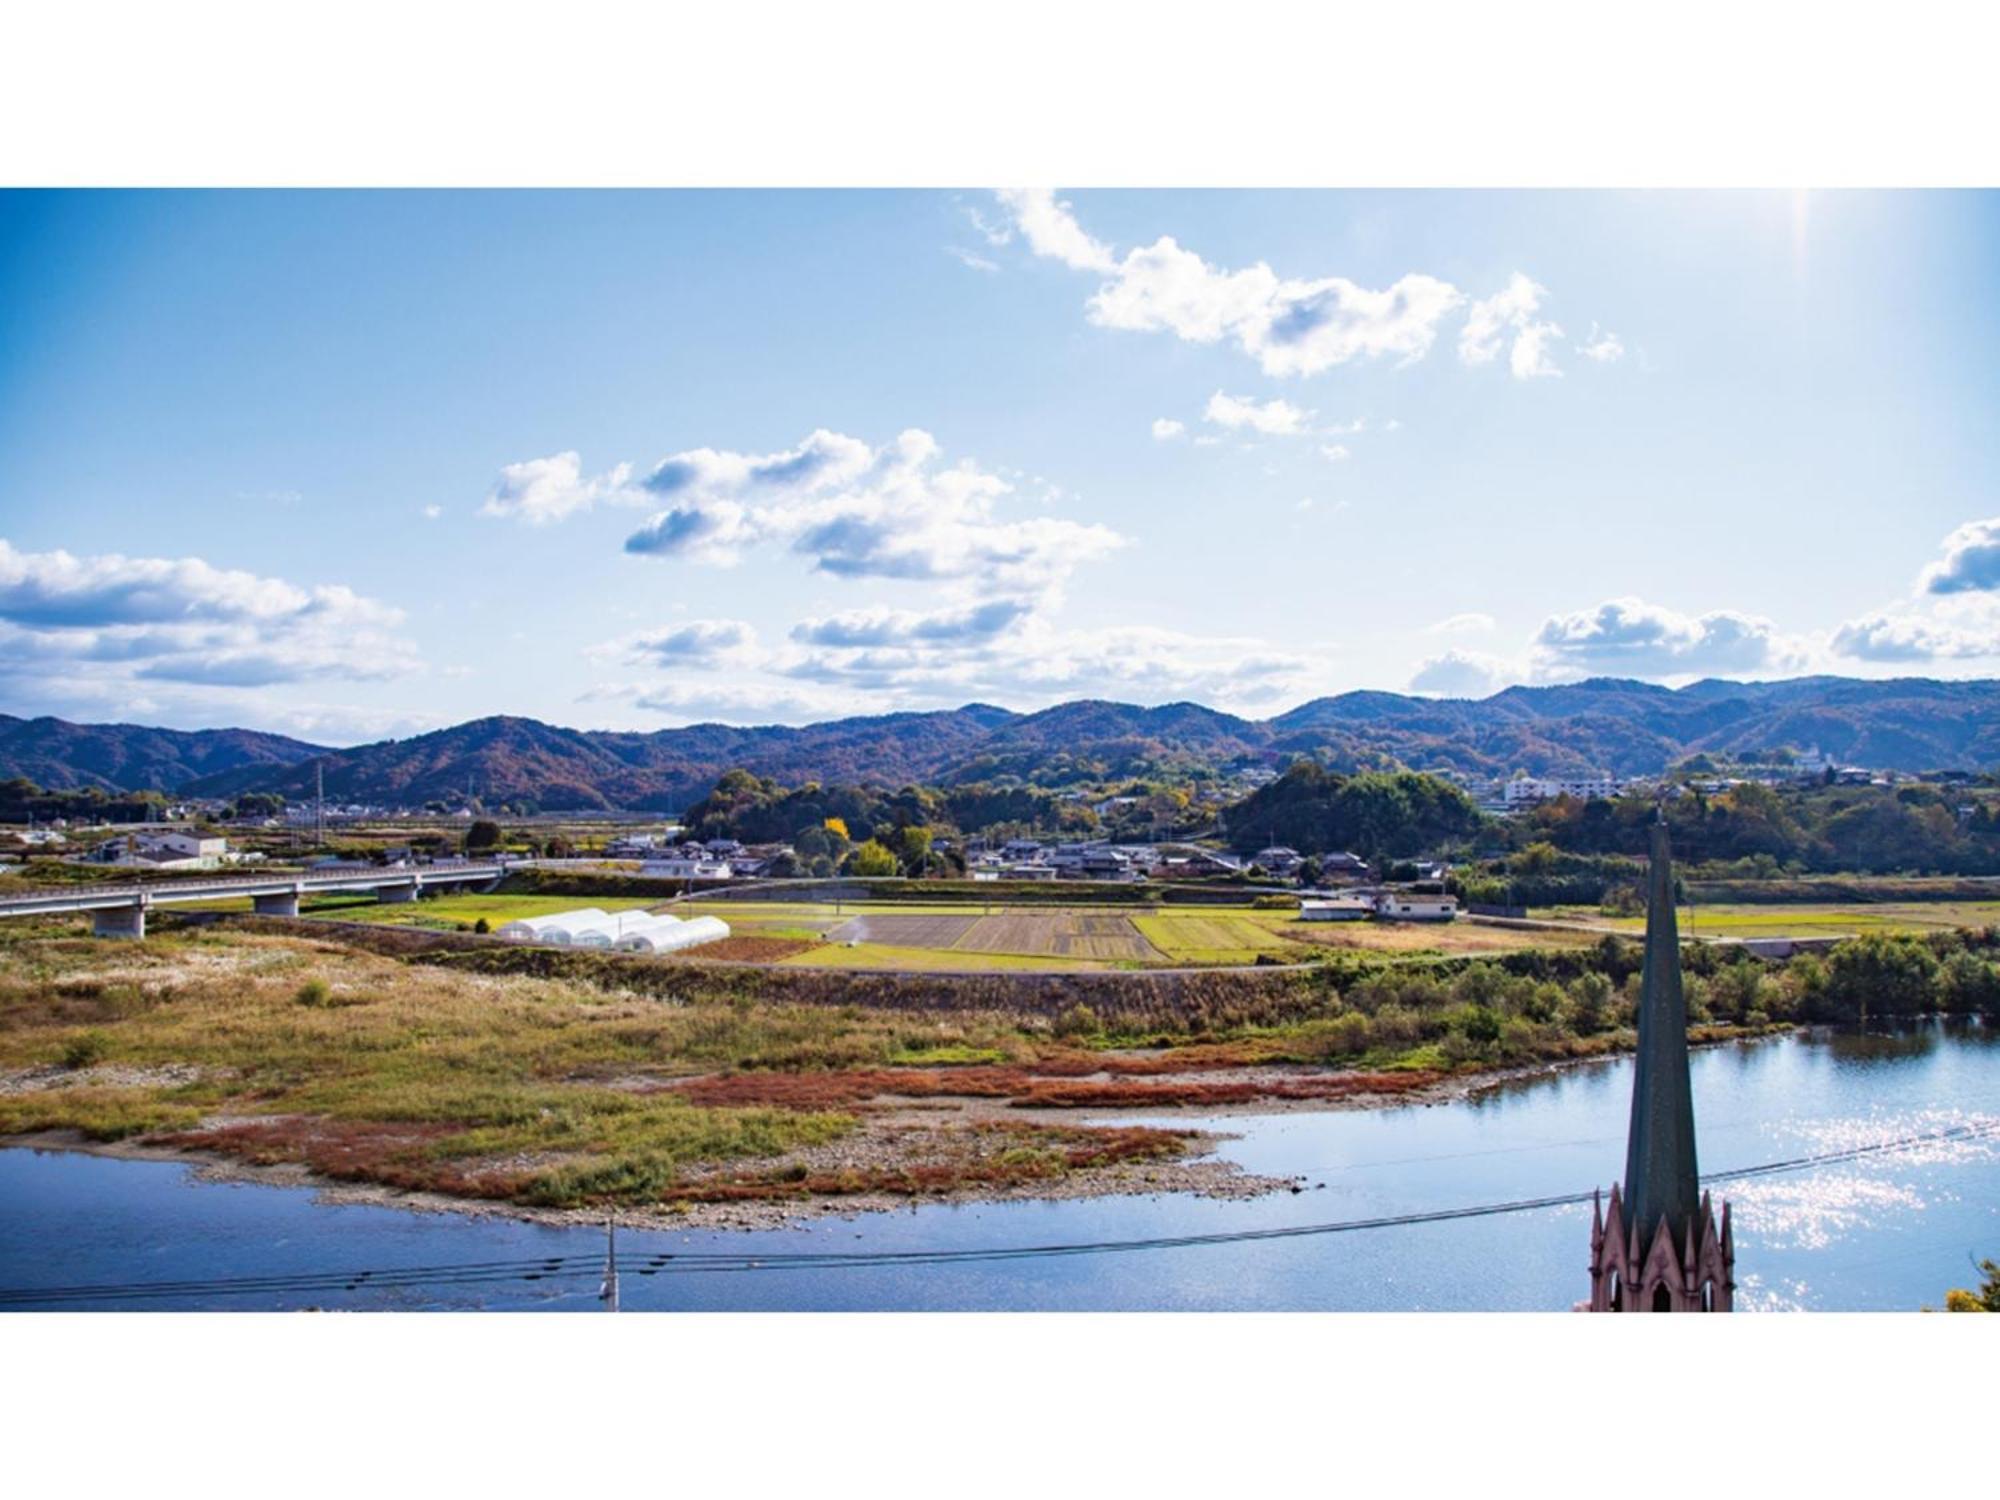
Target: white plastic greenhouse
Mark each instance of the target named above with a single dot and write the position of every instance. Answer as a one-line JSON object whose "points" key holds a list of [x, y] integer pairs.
{"points": [[580, 931], [537, 929], [667, 934]]}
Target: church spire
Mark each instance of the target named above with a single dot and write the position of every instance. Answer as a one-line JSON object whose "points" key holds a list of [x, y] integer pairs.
{"points": [[1656, 1247], [1661, 1180]]}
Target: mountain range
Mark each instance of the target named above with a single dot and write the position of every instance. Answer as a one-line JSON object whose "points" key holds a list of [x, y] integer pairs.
{"points": [[1600, 725]]}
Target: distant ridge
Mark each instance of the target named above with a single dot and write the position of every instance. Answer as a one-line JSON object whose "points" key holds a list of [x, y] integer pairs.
{"points": [[1604, 724], [61, 756]]}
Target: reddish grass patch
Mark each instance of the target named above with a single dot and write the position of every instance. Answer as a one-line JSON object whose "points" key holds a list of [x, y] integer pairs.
{"points": [[393, 1155]]}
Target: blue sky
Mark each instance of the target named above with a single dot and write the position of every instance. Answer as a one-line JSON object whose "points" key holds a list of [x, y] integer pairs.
{"points": [[351, 464]]}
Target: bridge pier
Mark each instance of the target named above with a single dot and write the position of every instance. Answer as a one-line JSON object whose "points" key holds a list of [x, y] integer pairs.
{"points": [[398, 895], [120, 921], [277, 904]]}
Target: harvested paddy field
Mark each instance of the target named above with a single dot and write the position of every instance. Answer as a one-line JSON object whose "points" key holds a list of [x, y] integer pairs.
{"points": [[1061, 934]]}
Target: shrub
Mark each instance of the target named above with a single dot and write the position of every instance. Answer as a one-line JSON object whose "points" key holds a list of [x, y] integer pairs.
{"points": [[1590, 1009], [1078, 1020], [85, 1048], [482, 926], [314, 992], [1478, 1025]]}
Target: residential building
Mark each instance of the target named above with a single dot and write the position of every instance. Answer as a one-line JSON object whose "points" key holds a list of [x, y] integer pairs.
{"points": [[1411, 906]]}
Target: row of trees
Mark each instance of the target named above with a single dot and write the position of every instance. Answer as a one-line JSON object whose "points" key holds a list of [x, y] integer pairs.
{"points": [[1810, 828], [21, 799]]}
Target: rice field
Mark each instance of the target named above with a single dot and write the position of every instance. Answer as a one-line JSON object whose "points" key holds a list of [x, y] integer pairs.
{"points": [[1221, 937]]}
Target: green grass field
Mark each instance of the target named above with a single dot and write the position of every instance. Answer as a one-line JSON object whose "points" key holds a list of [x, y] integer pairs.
{"points": [[443, 911], [1753, 920]]}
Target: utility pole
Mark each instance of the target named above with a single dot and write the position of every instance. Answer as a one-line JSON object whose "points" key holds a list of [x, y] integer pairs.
{"points": [[319, 805], [608, 1293]]}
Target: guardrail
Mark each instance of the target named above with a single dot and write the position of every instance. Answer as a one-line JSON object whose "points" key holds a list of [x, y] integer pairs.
{"points": [[45, 899]]}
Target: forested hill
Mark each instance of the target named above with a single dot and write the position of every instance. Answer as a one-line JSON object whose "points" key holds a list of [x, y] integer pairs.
{"points": [[60, 756], [1606, 724]]}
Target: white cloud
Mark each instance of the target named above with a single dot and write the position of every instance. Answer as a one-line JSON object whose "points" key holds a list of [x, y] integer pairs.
{"points": [[1471, 620], [975, 262], [1604, 346], [1335, 452], [1276, 417], [1035, 663], [1894, 637], [432, 512], [1510, 311], [1051, 230], [858, 512], [1464, 674], [894, 627], [541, 490], [1166, 429], [880, 659], [695, 643], [1290, 327], [1629, 637], [995, 233], [1971, 561], [117, 619]]}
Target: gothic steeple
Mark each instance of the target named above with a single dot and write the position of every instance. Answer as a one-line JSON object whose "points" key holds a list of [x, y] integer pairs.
{"points": [[1659, 1248], [1661, 1181]]}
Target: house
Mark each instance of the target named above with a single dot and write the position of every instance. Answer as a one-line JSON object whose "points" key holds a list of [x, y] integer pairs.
{"points": [[1278, 860], [686, 864], [190, 846], [1410, 906], [1340, 865]]}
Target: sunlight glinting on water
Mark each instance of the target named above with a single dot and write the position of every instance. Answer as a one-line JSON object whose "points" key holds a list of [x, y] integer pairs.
{"points": [[1817, 1209]]}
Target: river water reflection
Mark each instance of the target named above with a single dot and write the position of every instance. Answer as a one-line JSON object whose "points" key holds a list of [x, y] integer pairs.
{"points": [[1889, 1232]]}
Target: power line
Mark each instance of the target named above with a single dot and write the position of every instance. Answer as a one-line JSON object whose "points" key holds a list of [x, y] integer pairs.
{"points": [[575, 1267]]}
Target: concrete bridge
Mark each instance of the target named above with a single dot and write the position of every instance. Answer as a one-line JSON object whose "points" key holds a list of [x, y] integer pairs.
{"points": [[120, 910]]}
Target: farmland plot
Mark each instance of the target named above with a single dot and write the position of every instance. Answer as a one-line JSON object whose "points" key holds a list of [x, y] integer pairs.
{"points": [[900, 931], [1060, 935]]}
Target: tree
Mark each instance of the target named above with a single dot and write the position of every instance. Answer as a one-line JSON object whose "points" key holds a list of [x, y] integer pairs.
{"points": [[871, 859], [914, 845], [1888, 976], [1986, 1299], [483, 834]]}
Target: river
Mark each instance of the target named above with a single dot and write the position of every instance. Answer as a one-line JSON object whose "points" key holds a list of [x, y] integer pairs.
{"points": [[1888, 1232]]}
